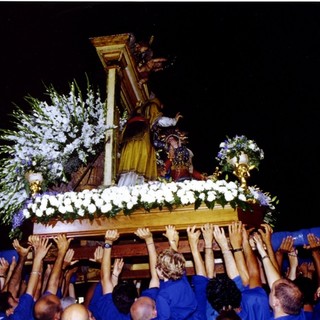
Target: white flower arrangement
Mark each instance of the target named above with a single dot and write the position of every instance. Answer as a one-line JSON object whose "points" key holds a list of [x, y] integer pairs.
{"points": [[234, 147], [109, 201], [55, 138]]}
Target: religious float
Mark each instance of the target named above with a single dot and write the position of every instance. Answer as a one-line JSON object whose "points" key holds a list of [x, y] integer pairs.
{"points": [[63, 162]]}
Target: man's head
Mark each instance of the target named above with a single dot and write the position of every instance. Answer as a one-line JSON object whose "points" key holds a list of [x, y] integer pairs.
{"points": [[75, 311], [285, 297], [48, 307], [123, 296], [144, 308]]}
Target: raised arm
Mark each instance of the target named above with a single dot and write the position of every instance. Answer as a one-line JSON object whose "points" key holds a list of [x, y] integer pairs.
{"points": [[314, 246], [271, 271], [228, 258], [107, 284], [207, 234], [116, 271], [144, 233], [285, 247], [15, 279], [251, 261], [236, 239], [63, 245], [266, 238], [193, 238], [41, 246]]}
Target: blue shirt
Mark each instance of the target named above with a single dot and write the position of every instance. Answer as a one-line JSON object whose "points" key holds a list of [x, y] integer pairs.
{"points": [[24, 309], [107, 309], [200, 289], [175, 299]]}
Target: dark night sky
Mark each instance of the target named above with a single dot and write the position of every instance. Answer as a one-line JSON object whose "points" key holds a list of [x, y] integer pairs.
{"points": [[239, 68]]}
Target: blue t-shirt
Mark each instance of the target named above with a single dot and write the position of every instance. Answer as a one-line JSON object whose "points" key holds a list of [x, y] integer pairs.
{"points": [[107, 309], [199, 284], [255, 304], [175, 299], [97, 293], [300, 316], [24, 309]]}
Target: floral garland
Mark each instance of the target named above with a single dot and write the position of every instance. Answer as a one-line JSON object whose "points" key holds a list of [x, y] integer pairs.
{"points": [[55, 139], [109, 201]]}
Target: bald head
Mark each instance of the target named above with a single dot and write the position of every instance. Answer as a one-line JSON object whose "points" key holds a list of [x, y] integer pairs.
{"points": [[47, 306], [75, 311], [144, 308]]}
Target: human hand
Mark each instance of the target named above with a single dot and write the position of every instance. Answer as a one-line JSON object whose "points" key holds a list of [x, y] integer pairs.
{"points": [[286, 245], [314, 242], [266, 233], [112, 235], [62, 243], [235, 234], [43, 247], [68, 259], [193, 236], [207, 233], [4, 266], [220, 238], [143, 233], [98, 254], [22, 252], [117, 266], [171, 234]]}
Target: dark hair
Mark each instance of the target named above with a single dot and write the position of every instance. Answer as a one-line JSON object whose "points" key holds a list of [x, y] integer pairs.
{"points": [[229, 314], [123, 296], [4, 301], [308, 287], [222, 292]]}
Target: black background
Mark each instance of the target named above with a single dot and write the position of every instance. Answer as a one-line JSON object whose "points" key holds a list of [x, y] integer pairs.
{"points": [[237, 68]]}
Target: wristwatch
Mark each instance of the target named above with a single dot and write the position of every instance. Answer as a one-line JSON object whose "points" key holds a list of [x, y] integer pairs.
{"points": [[107, 246]]}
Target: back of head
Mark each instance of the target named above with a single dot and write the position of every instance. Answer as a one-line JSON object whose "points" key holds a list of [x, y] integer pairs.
{"points": [[229, 314], [144, 308], [67, 301], [222, 292], [289, 296], [47, 307], [75, 311], [308, 287], [171, 263], [123, 296]]}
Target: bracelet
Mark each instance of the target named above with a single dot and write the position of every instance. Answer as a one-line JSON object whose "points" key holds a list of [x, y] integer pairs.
{"points": [[115, 275], [3, 276], [36, 272], [172, 241], [148, 244], [264, 257], [238, 250], [292, 254], [107, 245]]}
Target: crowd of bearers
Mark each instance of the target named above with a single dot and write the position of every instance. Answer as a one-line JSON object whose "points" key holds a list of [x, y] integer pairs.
{"points": [[256, 285]]}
